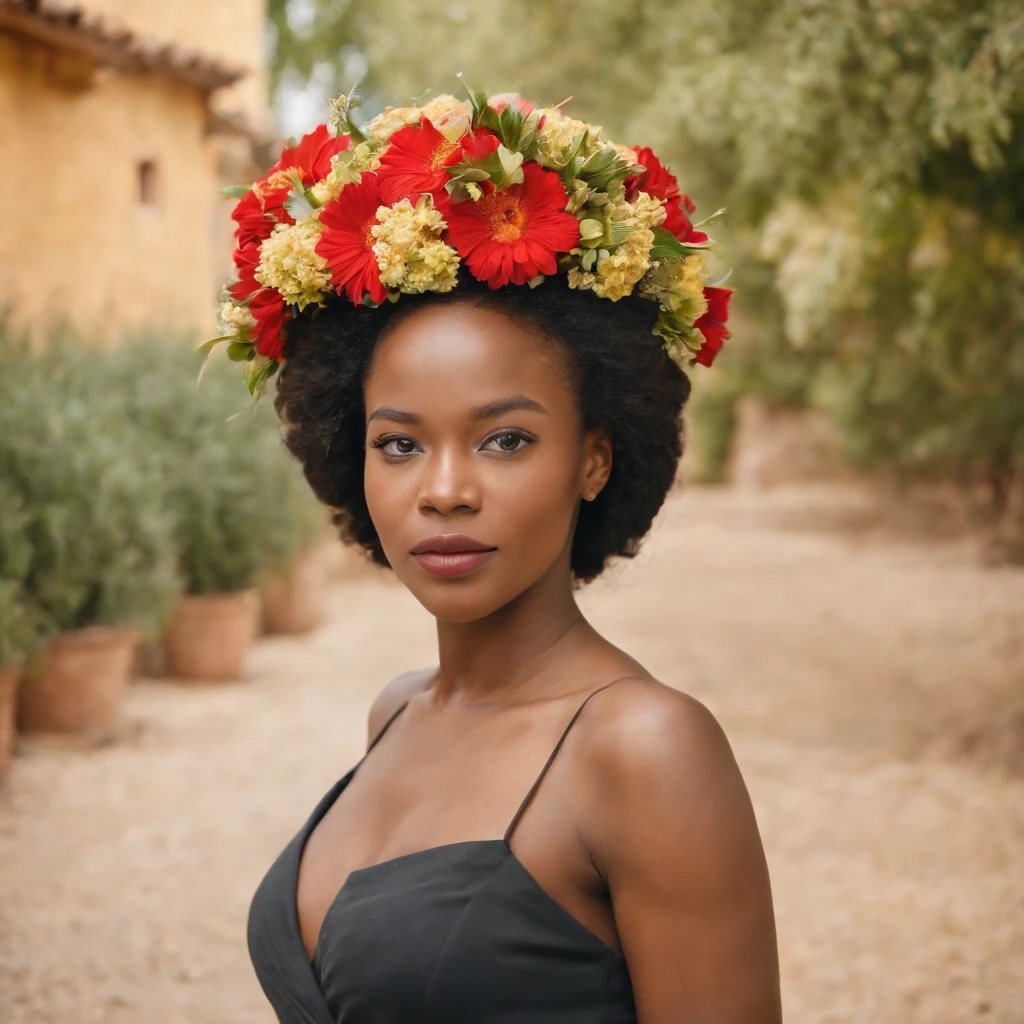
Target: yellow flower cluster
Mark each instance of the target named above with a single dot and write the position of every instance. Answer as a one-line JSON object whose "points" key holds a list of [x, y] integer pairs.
{"points": [[289, 262], [678, 285], [409, 252], [235, 321], [615, 275], [558, 135], [346, 167], [449, 115], [385, 124]]}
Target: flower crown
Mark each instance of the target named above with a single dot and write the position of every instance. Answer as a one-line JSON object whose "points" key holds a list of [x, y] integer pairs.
{"points": [[510, 191]]}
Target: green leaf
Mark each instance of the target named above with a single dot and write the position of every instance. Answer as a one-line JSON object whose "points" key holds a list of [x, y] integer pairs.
{"points": [[236, 191], [667, 246], [715, 218], [208, 346], [256, 379], [240, 352], [617, 233]]}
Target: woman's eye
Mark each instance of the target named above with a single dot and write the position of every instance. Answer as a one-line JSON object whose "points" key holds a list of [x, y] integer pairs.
{"points": [[395, 446], [507, 442]]}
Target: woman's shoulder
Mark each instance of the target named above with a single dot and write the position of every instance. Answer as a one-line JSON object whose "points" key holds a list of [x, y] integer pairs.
{"points": [[638, 724], [651, 753], [394, 696]]}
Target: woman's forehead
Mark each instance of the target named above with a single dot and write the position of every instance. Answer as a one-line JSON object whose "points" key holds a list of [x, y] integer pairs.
{"points": [[465, 356]]}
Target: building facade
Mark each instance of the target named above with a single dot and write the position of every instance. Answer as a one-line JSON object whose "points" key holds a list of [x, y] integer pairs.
{"points": [[119, 121]]}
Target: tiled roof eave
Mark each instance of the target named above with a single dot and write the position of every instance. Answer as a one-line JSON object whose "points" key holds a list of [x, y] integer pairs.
{"points": [[113, 45]]}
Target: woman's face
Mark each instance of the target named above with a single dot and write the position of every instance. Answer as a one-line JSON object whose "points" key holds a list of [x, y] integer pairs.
{"points": [[476, 459]]}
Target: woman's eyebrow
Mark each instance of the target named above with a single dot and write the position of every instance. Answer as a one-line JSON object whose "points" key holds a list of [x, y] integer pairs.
{"points": [[505, 405], [395, 415], [481, 412]]}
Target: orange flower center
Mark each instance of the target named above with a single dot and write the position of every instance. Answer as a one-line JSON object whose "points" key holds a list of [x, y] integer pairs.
{"points": [[368, 240], [507, 217], [443, 151]]}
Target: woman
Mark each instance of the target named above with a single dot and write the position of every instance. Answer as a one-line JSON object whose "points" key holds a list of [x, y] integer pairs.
{"points": [[539, 831]]}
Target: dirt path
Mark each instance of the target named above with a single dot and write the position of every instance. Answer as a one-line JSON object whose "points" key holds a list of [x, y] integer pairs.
{"points": [[873, 690]]}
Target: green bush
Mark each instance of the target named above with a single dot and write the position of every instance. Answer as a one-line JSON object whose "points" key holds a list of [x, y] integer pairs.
{"points": [[20, 629], [237, 498], [122, 483], [93, 528]]}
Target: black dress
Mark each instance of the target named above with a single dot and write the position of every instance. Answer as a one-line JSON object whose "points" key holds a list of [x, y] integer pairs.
{"points": [[455, 934]]}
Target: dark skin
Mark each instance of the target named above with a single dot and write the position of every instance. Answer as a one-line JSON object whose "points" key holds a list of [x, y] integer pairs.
{"points": [[642, 829]]}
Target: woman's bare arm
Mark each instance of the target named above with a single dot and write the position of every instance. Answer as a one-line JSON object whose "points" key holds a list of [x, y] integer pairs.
{"points": [[669, 825]]}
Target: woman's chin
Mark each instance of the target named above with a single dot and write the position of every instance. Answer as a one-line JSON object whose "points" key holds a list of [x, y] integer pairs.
{"points": [[459, 601]]}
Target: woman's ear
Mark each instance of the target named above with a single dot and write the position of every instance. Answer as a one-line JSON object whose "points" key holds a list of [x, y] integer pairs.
{"points": [[596, 466]]}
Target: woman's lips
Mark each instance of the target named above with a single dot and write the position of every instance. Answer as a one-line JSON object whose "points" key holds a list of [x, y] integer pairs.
{"points": [[451, 555], [452, 563]]}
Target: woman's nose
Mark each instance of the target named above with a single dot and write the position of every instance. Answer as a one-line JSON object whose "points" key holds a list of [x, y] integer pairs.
{"points": [[449, 484]]}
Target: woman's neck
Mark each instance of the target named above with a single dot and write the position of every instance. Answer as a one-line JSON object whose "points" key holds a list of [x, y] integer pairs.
{"points": [[511, 654]]}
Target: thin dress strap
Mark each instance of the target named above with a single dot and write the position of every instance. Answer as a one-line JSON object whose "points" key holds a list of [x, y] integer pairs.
{"points": [[554, 754], [387, 725]]}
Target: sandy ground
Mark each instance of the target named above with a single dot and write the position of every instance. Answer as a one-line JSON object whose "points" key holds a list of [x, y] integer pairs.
{"points": [[872, 685]]}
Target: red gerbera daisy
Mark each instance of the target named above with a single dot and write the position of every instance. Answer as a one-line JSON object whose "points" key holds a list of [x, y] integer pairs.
{"points": [[309, 161], [347, 244], [265, 304], [712, 324], [271, 315], [253, 224], [512, 234], [417, 159], [656, 180]]}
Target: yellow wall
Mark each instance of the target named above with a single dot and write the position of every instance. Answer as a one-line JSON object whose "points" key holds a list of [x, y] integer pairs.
{"points": [[74, 238], [231, 30], [76, 244]]}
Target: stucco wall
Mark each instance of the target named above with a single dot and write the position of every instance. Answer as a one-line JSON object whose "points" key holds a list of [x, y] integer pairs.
{"points": [[75, 240], [232, 30]]}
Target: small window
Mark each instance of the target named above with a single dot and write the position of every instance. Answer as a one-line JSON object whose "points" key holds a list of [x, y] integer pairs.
{"points": [[147, 183]]}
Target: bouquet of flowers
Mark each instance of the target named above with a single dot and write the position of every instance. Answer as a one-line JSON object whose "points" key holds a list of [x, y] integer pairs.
{"points": [[510, 191]]}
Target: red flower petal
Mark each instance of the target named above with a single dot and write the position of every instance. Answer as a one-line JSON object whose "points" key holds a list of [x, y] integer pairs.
{"points": [[247, 259], [499, 102], [477, 145], [347, 244], [253, 225], [265, 304], [513, 234], [271, 315], [309, 161], [312, 155], [656, 180], [712, 324], [415, 163], [718, 303]]}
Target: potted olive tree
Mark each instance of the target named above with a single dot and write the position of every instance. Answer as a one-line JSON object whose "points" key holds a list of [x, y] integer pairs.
{"points": [[19, 632], [102, 562], [295, 584]]}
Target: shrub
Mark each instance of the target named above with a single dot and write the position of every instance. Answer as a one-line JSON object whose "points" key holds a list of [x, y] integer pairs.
{"points": [[20, 629], [94, 539], [237, 499]]}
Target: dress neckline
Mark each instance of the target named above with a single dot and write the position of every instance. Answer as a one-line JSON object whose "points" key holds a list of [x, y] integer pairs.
{"points": [[413, 857], [408, 858]]}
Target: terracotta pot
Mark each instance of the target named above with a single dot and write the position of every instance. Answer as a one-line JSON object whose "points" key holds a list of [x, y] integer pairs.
{"points": [[80, 681], [9, 678], [293, 602], [211, 635]]}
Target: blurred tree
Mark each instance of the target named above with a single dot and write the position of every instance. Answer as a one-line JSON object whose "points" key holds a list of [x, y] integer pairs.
{"points": [[871, 154]]}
